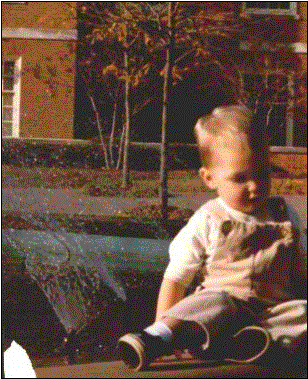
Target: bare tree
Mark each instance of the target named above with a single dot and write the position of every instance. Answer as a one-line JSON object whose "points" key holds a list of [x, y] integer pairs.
{"points": [[91, 97], [115, 26], [125, 176], [165, 112]]}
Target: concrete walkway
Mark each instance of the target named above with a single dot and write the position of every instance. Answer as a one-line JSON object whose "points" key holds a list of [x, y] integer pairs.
{"points": [[169, 368], [70, 202]]}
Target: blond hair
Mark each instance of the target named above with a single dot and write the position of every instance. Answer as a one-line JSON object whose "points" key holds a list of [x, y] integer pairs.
{"points": [[228, 120]]}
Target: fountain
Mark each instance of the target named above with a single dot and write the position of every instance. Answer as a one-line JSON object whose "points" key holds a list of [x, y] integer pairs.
{"points": [[77, 282], [91, 281]]}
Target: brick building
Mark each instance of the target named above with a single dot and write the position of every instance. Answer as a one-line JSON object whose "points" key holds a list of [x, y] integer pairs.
{"points": [[278, 64], [38, 69], [266, 55]]}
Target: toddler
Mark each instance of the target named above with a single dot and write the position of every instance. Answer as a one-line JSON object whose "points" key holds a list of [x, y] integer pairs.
{"points": [[251, 251]]}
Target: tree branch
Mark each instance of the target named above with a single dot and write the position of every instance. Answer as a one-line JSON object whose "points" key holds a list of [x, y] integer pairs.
{"points": [[156, 15]]}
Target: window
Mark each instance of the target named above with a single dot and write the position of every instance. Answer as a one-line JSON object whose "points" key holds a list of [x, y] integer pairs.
{"points": [[10, 97], [278, 8], [273, 93]]}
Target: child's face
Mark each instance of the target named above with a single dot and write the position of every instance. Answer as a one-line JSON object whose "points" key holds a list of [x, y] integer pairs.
{"points": [[240, 176]]}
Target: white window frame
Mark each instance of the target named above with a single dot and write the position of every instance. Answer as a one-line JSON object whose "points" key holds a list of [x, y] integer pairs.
{"points": [[16, 97], [292, 11]]}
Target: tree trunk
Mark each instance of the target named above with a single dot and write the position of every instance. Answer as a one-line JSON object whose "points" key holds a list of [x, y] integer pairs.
{"points": [[111, 139], [120, 148], [125, 178], [100, 130], [98, 121], [165, 113]]}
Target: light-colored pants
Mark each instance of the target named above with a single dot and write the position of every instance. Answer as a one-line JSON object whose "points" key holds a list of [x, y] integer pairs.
{"points": [[216, 312]]}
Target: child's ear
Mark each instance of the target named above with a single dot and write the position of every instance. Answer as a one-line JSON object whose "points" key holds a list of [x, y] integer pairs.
{"points": [[207, 177]]}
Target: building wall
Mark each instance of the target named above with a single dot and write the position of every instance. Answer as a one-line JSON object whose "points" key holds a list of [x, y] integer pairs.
{"points": [[47, 77], [302, 22], [302, 31], [301, 82], [47, 86], [39, 14], [289, 58]]}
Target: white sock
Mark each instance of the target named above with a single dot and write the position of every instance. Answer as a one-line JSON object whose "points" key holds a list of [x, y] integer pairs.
{"points": [[161, 330]]}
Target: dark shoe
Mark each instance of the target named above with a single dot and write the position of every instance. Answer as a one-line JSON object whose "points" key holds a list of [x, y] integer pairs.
{"points": [[138, 350], [245, 346]]}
